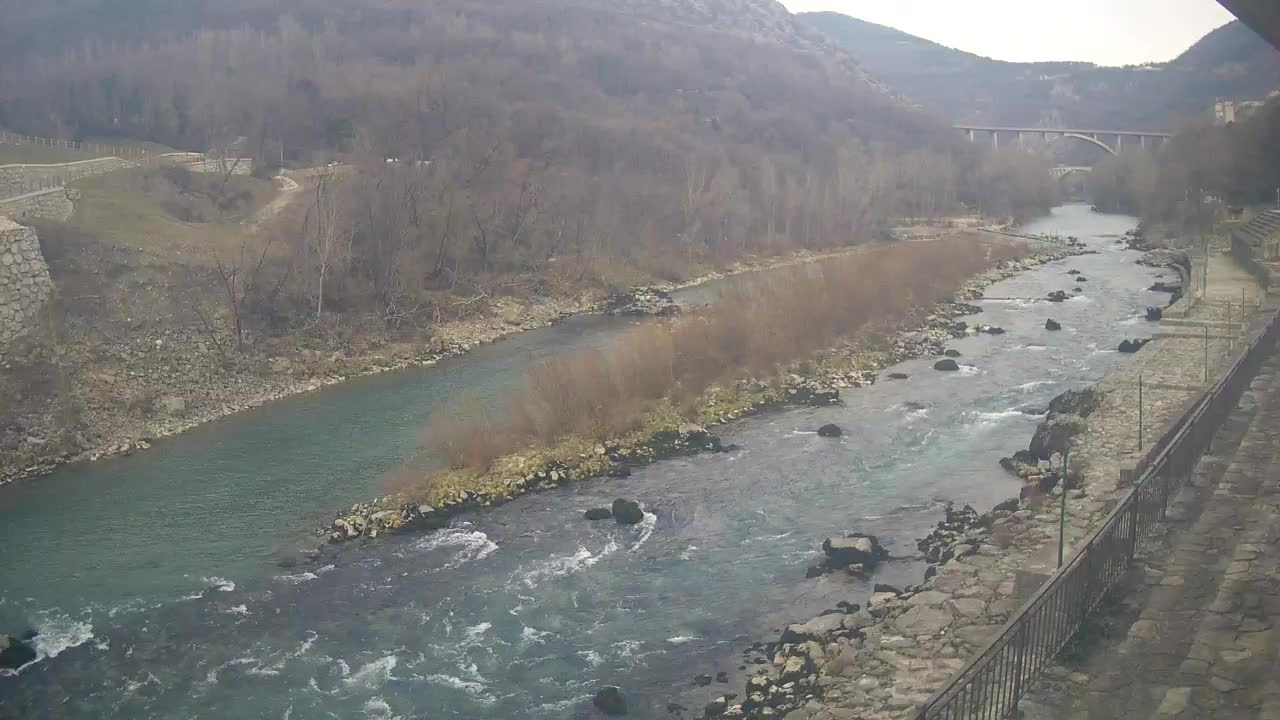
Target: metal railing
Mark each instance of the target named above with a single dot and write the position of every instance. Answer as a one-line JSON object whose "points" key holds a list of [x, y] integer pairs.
{"points": [[990, 685]]}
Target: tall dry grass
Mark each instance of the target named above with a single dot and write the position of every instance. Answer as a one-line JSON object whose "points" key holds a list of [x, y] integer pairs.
{"points": [[754, 330]]}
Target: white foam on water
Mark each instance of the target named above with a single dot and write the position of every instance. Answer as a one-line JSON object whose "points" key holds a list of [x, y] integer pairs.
{"points": [[297, 579], [472, 545], [994, 418], [477, 690], [682, 639], [475, 633], [212, 677], [57, 635], [560, 708], [237, 610], [686, 554], [1031, 347], [969, 371], [593, 658], [646, 526], [1031, 386], [217, 583], [372, 675], [627, 648], [377, 708], [534, 635], [562, 565]]}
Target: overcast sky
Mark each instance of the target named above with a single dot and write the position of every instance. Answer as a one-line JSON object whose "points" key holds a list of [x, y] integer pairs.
{"points": [[1107, 32]]}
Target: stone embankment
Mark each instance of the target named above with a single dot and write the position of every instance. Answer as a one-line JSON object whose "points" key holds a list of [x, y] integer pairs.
{"points": [[885, 660], [25, 286]]}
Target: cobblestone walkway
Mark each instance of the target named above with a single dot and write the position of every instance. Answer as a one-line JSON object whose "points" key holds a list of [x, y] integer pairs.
{"points": [[1203, 601]]}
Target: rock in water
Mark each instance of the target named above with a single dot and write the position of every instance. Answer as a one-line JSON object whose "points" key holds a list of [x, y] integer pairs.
{"points": [[1057, 296], [609, 700], [898, 376], [855, 549], [952, 353], [627, 512], [600, 513], [830, 430], [1052, 324], [1154, 314], [14, 653], [947, 365]]}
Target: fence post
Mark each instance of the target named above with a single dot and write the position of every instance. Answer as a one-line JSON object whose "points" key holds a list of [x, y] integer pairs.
{"points": [[1140, 413], [1062, 514]]}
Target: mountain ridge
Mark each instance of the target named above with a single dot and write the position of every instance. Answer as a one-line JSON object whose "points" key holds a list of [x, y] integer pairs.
{"points": [[1229, 62]]}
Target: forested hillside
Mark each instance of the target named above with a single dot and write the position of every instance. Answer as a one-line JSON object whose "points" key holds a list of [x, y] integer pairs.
{"points": [[630, 138], [1231, 62]]}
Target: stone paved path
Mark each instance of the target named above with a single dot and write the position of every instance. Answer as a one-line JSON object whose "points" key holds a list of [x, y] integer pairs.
{"points": [[1204, 602]]}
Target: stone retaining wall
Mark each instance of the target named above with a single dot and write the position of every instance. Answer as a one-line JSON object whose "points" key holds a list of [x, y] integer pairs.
{"points": [[25, 285], [52, 204], [22, 179]]}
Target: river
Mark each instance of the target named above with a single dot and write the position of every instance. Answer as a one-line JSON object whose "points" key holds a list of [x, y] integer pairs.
{"points": [[156, 584]]}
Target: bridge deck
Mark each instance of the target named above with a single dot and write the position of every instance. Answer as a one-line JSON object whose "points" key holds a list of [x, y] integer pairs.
{"points": [[1062, 131]]}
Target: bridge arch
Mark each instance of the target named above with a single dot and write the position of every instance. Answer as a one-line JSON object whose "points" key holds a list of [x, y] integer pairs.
{"points": [[1093, 140]]}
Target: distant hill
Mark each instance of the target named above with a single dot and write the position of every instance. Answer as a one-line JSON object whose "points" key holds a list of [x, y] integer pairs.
{"points": [[1231, 62]]}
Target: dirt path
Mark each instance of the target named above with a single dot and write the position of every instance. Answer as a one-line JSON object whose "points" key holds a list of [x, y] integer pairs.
{"points": [[289, 189]]}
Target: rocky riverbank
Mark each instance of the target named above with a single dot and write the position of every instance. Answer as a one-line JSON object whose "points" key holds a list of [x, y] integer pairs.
{"points": [[884, 661], [854, 363]]}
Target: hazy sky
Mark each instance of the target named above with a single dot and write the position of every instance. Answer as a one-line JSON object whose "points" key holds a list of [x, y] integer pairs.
{"points": [[1107, 32]]}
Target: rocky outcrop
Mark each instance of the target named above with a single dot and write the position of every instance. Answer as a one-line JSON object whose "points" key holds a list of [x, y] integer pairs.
{"points": [[830, 430], [600, 513], [1132, 346], [1052, 324], [1057, 296], [1054, 435], [947, 365]]}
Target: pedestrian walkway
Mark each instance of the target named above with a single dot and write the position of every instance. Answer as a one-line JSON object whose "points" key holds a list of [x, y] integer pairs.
{"points": [[1197, 615]]}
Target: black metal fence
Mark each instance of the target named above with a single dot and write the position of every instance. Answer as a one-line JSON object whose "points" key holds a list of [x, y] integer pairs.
{"points": [[990, 685]]}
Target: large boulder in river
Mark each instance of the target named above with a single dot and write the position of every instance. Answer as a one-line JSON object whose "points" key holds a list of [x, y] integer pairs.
{"points": [[627, 512], [1054, 435], [830, 430], [1076, 402], [1154, 314], [1052, 324], [854, 549], [951, 353], [14, 653], [600, 513], [1057, 296], [609, 700], [947, 365]]}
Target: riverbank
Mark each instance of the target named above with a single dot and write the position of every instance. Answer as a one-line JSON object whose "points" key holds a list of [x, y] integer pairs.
{"points": [[667, 432], [157, 383], [888, 658]]}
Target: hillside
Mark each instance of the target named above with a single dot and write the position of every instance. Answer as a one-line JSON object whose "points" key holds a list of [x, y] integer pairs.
{"points": [[458, 168], [1230, 62]]}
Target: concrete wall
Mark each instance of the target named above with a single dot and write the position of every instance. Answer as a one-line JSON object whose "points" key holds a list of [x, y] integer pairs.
{"points": [[53, 204], [25, 285]]}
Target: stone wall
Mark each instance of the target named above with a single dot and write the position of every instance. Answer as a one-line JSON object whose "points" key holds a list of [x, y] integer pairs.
{"points": [[25, 285], [22, 179], [52, 204]]}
